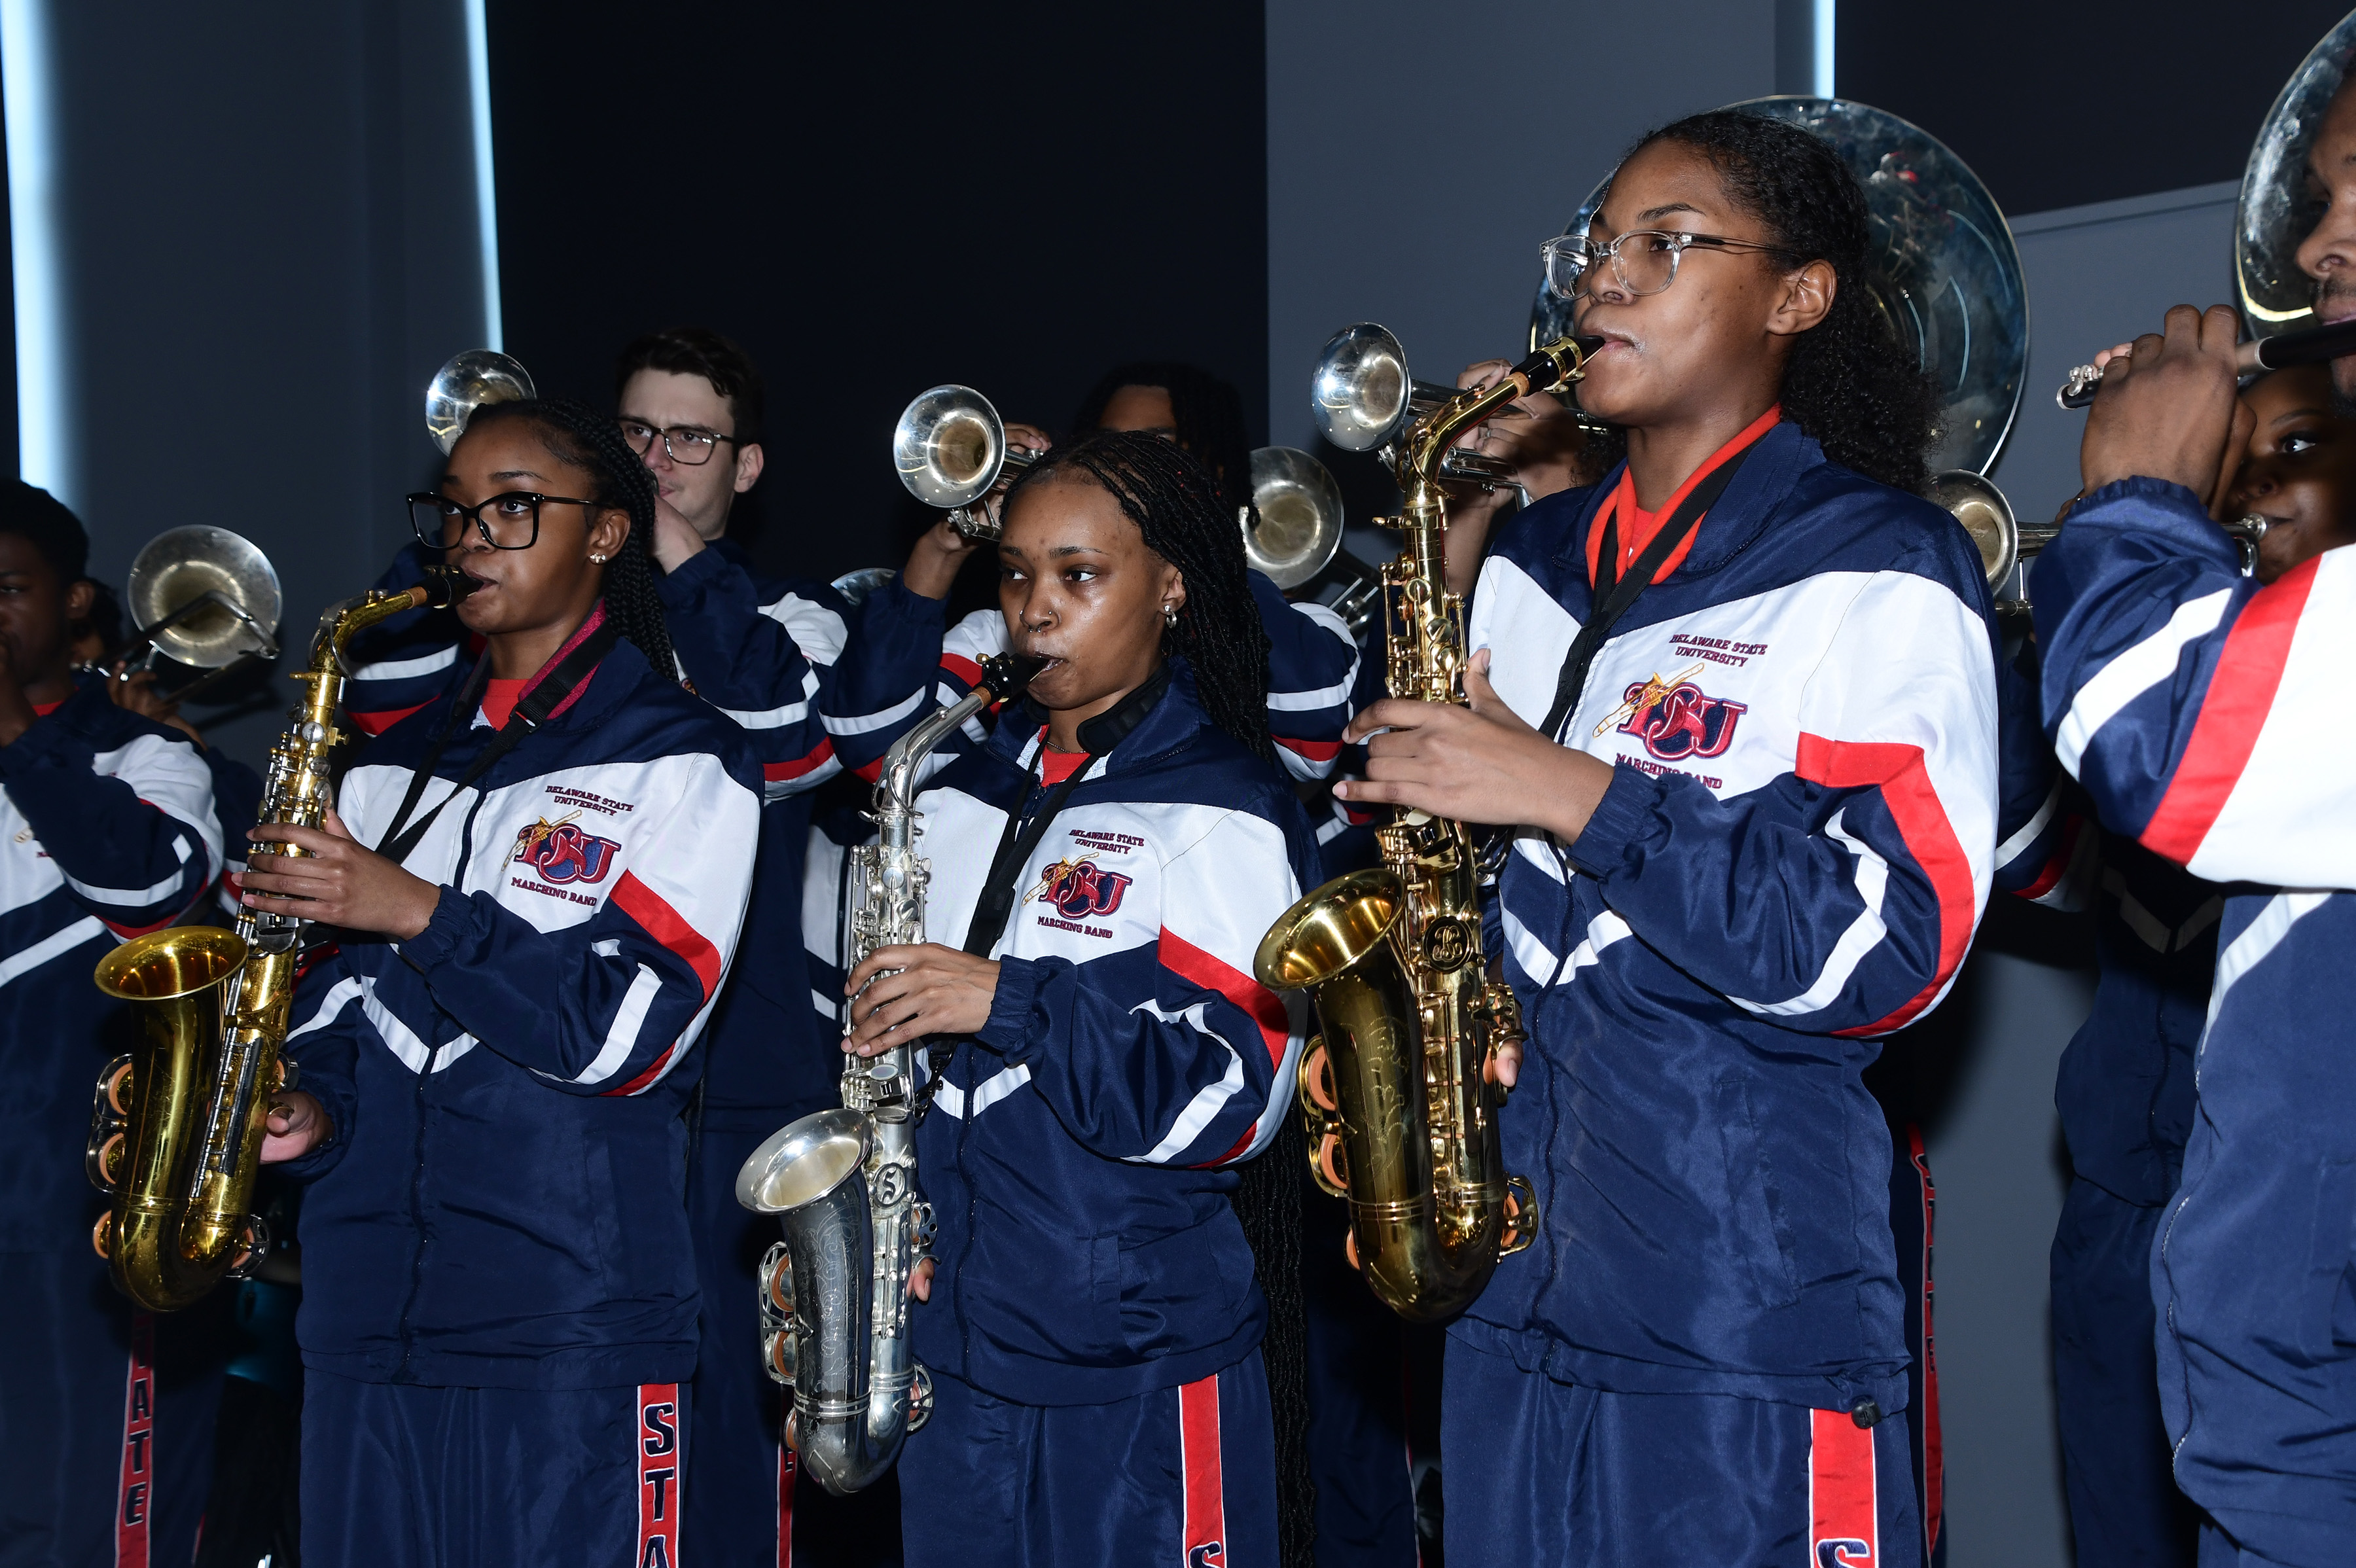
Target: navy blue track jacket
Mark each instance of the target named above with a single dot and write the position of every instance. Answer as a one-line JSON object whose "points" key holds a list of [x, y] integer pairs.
{"points": [[1790, 862], [2198, 709], [107, 832], [2124, 1089], [1080, 1152], [502, 1204], [762, 651]]}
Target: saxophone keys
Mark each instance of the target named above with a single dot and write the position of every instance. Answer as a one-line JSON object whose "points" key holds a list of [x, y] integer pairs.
{"points": [[101, 1236], [1329, 1166], [920, 1397]]}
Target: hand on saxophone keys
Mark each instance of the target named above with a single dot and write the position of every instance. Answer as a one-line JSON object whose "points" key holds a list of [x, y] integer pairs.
{"points": [[294, 1125], [1480, 763], [903, 992], [335, 879]]}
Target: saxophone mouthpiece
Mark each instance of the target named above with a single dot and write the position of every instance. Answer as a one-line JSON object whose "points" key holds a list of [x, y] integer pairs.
{"points": [[1007, 675], [445, 586]]}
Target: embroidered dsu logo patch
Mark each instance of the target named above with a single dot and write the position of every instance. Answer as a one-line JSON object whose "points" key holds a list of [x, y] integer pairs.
{"points": [[1079, 889], [561, 852], [1679, 721]]}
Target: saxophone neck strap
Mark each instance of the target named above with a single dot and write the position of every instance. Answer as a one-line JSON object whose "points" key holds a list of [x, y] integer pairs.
{"points": [[1096, 735], [1615, 594], [553, 690]]}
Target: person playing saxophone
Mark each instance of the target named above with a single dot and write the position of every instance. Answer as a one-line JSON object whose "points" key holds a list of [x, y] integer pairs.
{"points": [[1738, 701]]}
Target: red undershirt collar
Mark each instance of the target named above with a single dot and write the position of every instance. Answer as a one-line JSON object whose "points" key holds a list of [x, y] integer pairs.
{"points": [[1636, 526]]}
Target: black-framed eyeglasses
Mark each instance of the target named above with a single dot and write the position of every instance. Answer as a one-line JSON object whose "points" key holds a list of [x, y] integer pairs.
{"points": [[689, 444], [507, 521], [1644, 261]]}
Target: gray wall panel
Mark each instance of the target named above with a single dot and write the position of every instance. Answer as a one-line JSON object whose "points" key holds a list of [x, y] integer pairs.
{"points": [[271, 240], [1416, 160]]}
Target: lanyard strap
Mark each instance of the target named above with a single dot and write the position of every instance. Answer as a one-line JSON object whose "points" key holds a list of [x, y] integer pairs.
{"points": [[1615, 594], [1014, 847], [550, 692]]}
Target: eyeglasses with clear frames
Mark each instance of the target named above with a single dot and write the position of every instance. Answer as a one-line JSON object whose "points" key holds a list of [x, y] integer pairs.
{"points": [[689, 444], [1644, 261], [507, 521]]}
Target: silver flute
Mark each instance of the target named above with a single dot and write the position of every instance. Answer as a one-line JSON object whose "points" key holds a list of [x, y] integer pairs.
{"points": [[834, 1291]]}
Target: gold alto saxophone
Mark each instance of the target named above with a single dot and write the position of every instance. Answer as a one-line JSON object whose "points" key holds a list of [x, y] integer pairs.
{"points": [[834, 1291], [176, 1131], [1400, 1112]]}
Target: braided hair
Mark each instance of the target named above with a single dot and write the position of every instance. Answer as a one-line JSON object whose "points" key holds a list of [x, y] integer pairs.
{"points": [[1174, 500], [1850, 383], [575, 434], [1209, 412]]}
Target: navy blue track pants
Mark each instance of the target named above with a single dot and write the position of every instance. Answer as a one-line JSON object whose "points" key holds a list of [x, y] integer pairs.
{"points": [[1542, 1474], [106, 1418], [395, 1476], [2124, 1509], [1185, 1477]]}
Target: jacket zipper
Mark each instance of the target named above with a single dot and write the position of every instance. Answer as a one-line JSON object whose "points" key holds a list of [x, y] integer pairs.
{"points": [[407, 1336]]}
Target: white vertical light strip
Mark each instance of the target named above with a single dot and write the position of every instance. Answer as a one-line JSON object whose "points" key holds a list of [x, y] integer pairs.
{"points": [[486, 206], [1822, 29], [44, 388]]}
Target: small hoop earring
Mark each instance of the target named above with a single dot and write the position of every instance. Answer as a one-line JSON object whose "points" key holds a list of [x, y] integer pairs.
{"points": [[1170, 616]]}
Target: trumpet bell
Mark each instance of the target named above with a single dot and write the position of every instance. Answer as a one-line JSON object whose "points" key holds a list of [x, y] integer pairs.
{"points": [[950, 446], [470, 380], [1299, 510], [1986, 515], [1361, 392], [202, 595]]}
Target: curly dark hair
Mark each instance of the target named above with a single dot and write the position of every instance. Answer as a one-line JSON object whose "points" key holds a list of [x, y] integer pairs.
{"points": [[1850, 383], [592, 442]]}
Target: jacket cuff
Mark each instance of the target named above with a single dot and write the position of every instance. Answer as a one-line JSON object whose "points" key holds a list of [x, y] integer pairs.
{"points": [[41, 746], [1624, 813], [896, 602], [1009, 1031], [339, 1100], [679, 589], [452, 913]]}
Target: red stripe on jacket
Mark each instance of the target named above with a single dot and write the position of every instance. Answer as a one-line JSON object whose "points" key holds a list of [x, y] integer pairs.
{"points": [[1314, 750], [1898, 771], [665, 924], [777, 772], [1182, 958], [381, 721], [957, 666], [2241, 693]]}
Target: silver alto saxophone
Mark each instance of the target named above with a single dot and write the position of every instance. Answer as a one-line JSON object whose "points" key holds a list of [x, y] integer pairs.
{"points": [[834, 1293]]}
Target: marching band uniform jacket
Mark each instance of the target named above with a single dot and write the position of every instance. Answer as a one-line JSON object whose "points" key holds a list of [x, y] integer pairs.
{"points": [[902, 662], [761, 650], [1080, 1150], [502, 1202], [110, 833], [1788, 864], [2183, 697], [2124, 1089]]}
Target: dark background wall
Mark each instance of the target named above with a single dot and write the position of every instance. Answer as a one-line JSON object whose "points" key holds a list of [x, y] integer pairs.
{"points": [[876, 200], [2059, 104], [267, 235]]}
